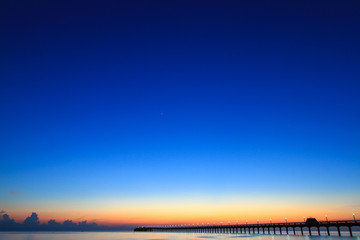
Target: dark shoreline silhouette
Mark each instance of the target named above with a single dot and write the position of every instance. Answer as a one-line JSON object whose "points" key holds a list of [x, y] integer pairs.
{"points": [[32, 223]]}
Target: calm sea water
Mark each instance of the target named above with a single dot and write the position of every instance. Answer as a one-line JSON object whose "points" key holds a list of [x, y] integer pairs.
{"points": [[152, 236]]}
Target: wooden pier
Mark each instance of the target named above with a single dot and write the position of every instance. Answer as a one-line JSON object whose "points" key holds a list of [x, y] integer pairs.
{"points": [[311, 225]]}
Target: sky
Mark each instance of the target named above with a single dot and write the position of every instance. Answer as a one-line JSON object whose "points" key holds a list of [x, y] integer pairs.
{"points": [[163, 112]]}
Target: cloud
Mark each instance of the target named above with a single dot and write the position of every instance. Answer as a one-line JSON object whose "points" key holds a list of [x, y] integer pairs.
{"points": [[13, 193], [5, 219], [96, 219], [69, 223], [32, 220], [32, 223], [52, 222]]}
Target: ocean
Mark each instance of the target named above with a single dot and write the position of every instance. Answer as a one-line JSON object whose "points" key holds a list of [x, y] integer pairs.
{"points": [[156, 236]]}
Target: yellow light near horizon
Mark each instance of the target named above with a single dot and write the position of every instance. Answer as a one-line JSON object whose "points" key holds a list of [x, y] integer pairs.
{"points": [[186, 214], [188, 210]]}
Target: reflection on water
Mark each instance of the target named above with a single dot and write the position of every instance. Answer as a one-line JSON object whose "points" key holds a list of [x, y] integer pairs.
{"points": [[152, 236]]}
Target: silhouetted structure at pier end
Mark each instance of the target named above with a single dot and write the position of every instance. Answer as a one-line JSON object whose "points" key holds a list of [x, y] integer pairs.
{"points": [[311, 226]]}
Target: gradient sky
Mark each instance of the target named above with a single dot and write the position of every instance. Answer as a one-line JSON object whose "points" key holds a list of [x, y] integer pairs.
{"points": [[146, 112]]}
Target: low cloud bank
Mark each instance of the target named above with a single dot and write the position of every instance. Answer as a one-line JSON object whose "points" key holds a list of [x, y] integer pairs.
{"points": [[32, 223]]}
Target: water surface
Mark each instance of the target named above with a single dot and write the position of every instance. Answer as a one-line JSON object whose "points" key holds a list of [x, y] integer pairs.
{"points": [[154, 236]]}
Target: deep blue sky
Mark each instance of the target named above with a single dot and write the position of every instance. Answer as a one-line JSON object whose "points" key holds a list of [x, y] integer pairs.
{"points": [[142, 98]]}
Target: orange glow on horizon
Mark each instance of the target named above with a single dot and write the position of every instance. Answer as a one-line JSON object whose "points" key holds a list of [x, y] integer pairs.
{"points": [[190, 209], [195, 214]]}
